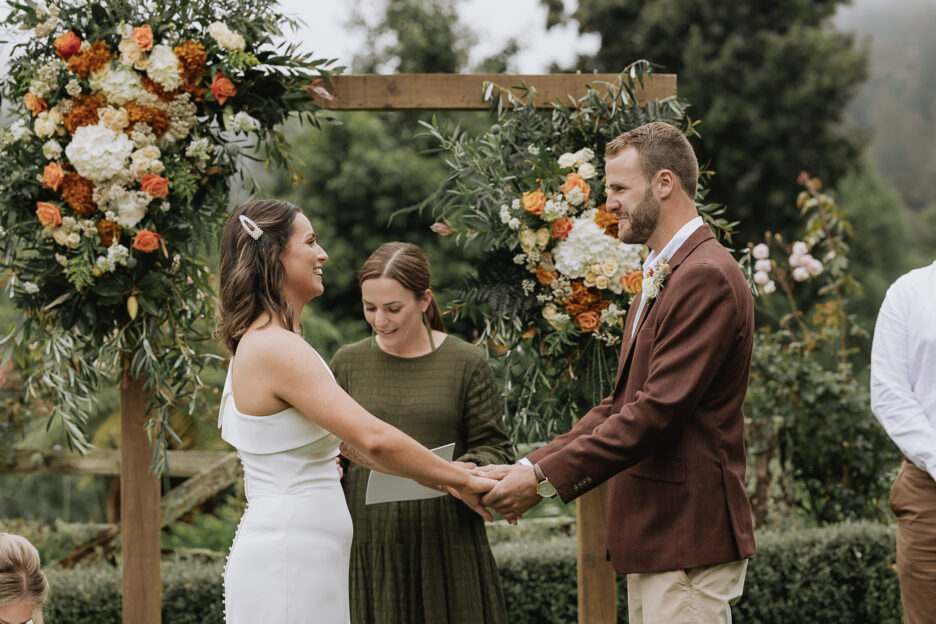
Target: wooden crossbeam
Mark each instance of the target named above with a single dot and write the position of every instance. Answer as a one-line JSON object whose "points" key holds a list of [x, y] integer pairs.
{"points": [[194, 491], [375, 92], [101, 462]]}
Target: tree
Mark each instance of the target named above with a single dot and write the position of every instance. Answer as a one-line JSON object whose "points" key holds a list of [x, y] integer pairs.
{"points": [[769, 80]]}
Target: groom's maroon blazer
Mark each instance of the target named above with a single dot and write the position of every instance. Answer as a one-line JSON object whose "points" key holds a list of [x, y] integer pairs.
{"points": [[670, 437]]}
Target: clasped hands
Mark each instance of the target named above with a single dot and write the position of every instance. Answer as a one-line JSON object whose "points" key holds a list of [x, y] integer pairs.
{"points": [[508, 489]]}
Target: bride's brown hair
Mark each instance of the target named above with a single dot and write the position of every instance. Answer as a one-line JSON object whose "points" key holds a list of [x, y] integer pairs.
{"points": [[407, 264], [251, 274]]}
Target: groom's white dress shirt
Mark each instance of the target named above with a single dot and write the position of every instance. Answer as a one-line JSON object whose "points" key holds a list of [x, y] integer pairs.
{"points": [[668, 251], [903, 366]]}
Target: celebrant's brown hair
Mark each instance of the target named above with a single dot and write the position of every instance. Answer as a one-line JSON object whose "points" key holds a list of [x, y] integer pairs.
{"points": [[660, 146], [21, 579], [407, 264], [251, 275]]}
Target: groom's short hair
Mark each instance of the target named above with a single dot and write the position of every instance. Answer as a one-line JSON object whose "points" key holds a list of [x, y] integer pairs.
{"points": [[660, 146]]}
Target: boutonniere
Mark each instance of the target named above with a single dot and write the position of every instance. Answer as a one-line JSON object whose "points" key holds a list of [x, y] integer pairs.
{"points": [[653, 280]]}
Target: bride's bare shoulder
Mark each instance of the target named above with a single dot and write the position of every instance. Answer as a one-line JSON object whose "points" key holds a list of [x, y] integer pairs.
{"points": [[271, 345]]}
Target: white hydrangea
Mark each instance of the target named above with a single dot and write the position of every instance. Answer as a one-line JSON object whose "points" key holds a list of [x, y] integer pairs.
{"points": [[98, 153], [119, 85], [227, 39], [588, 245], [51, 149], [163, 67]]}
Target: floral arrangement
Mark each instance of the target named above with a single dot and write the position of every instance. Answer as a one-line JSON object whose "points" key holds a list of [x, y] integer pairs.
{"points": [[580, 273], [130, 123], [553, 281]]}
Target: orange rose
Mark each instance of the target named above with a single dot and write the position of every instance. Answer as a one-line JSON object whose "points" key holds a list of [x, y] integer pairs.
{"points": [[574, 180], [52, 176], [545, 277], [35, 105], [143, 36], [561, 228], [146, 241], [67, 45], [588, 321], [632, 282], [49, 215], [534, 202], [223, 88], [156, 186]]}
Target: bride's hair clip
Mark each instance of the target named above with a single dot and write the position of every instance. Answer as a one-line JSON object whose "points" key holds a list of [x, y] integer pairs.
{"points": [[251, 227]]}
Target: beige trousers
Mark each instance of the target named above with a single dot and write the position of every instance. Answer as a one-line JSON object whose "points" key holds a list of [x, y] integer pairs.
{"points": [[702, 595], [913, 501]]}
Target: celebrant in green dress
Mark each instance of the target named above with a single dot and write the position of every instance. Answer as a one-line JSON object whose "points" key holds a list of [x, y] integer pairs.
{"points": [[420, 561]]}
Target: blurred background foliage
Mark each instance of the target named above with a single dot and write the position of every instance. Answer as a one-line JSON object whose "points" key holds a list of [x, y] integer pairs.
{"points": [[838, 90]]}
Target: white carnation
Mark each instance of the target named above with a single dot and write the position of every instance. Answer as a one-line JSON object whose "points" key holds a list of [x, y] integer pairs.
{"points": [[119, 85], [98, 153], [163, 67], [567, 160], [583, 156]]}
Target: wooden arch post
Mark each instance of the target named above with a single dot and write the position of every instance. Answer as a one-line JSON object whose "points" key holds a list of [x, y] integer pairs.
{"points": [[597, 582]]}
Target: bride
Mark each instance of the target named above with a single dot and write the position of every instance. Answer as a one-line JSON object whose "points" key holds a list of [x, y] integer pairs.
{"points": [[283, 412]]}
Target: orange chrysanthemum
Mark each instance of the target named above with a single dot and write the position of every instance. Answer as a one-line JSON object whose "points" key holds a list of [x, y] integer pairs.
{"points": [[584, 299], [157, 119], [92, 59], [84, 112], [606, 221], [108, 231], [156, 89], [78, 193], [192, 60]]}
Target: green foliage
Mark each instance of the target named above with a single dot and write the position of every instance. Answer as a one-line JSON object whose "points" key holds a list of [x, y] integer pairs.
{"points": [[762, 76], [211, 531], [812, 439], [837, 575]]}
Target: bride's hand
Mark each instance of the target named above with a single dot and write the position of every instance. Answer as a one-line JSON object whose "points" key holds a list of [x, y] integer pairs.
{"points": [[471, 493]]}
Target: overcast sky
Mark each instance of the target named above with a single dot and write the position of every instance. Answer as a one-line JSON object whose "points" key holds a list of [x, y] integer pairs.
{"points": [[493, 22]]}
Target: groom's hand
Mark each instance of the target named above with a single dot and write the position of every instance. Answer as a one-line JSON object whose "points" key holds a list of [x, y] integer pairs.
{"points": [[515, 493]]}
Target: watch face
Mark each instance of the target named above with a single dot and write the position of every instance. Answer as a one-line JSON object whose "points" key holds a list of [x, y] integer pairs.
{"points": [[546, 489]]}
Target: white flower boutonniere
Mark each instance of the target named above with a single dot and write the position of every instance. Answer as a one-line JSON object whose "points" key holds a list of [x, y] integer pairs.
{"points": [[654, 278]]}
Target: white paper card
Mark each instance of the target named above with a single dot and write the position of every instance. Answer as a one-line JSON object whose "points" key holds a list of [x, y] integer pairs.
{"points": [[384, 488]]}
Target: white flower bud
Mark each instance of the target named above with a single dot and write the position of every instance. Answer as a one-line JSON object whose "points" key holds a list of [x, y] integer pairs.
{"points": [[761, 278], [800, 274], [762, 265]]}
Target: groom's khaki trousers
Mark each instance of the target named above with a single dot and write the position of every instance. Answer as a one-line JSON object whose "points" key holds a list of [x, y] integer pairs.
{"points": [[702, 595]]}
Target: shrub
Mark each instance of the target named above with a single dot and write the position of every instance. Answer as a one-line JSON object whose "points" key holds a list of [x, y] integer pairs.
{"points": [[838, 574]]}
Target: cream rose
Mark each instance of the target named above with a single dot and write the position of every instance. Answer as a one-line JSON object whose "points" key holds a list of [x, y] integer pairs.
{"points": [[567, 160], [587, 171], [542, 237], [602, 282], [527, 239], [609, 267]]}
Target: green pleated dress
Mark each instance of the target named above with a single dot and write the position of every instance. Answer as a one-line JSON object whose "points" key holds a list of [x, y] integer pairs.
{"points": [[427, 561]]}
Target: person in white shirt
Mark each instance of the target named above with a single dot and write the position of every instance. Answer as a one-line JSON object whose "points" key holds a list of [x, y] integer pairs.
{"points": [[903, 399]]}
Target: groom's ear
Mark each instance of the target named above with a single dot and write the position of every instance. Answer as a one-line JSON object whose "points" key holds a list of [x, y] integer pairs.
{"points": [[664, 183]]}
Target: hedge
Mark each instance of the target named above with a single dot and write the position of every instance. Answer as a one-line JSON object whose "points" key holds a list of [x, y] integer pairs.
{"points": [[838, 574]]}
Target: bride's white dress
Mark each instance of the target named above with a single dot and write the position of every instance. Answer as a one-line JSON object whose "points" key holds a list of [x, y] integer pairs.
{"points": [[289, 560]]}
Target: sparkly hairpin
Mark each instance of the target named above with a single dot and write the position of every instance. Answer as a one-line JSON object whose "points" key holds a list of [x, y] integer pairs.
{"points": [[251, 227]]}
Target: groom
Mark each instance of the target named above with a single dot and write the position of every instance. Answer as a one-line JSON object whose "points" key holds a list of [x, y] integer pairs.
{"points": [[669, 437]]}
